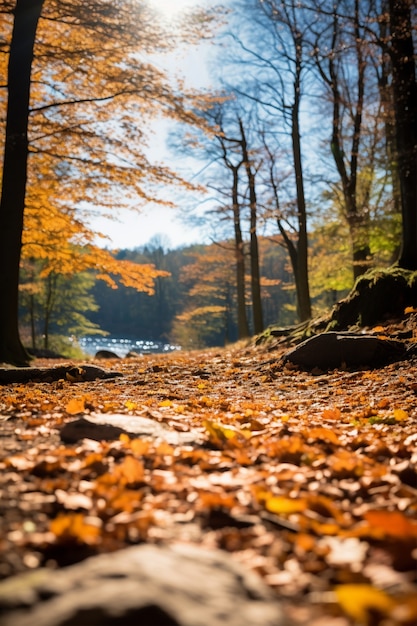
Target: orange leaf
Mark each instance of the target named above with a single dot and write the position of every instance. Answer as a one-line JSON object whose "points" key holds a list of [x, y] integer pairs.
{"points": [[76, 526], [323, 434], [130, 471], [76, 405], [391, 524], [332, 414]]}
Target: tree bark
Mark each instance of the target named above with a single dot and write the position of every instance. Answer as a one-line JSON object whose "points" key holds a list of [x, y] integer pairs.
{"points": [[258, 324], [357, 217], [405, 106], [301, 267], [13, 191], [242, 319]]}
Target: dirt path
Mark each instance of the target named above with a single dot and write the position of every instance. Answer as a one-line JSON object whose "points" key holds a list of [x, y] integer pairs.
{"points": [[309, 480]]}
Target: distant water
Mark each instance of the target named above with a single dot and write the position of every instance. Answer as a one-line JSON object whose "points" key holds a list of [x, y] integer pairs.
{"points": [[90, 345]]}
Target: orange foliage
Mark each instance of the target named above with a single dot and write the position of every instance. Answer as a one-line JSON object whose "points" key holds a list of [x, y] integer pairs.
{"points": [[89, 130]]}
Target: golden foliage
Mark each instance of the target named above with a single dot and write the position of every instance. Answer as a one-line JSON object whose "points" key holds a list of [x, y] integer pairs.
{"points": [[94, 94]]}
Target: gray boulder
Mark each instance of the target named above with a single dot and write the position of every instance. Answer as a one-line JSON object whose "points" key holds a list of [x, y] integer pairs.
{"points": [[144, 585], [108, 427]]}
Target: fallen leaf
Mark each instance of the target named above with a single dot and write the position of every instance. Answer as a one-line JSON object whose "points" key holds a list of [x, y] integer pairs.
{"points": [[75, 406], [76, 527], [220, 434], [129, 471], [400, 415], [284, 506], [391, 524], [361, 602]]}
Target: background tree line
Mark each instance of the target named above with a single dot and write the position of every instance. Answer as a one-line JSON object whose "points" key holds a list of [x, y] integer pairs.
{"points": [[195, 305]]}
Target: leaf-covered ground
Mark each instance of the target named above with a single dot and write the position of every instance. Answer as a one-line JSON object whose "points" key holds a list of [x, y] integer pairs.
{"points": [[308, 479]]}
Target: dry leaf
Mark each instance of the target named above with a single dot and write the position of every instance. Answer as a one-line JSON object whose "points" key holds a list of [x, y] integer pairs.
{"points": [[75, 406], [362, 602]]}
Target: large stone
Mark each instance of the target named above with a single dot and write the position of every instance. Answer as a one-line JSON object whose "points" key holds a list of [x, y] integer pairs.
{"points": [[145, 586], [81, 374], [106, 354], [107, 427], [332, 349]]}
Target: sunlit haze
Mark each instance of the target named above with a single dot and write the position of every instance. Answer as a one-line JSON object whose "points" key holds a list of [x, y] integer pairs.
{"points": [[172, 8], [133, 230], [136, 229]]}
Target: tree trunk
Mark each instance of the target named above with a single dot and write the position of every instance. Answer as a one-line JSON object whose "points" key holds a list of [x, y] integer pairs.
{"points": [[242, 319], [258, 324], [357, 217], [405, 106], [301, 273], [387, 102], [12, 204]]}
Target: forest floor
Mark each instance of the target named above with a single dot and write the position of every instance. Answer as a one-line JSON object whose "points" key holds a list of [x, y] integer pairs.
{"points": [[309, 479]]}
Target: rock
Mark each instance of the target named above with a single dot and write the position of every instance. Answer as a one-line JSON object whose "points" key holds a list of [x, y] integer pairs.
{"points": [[378, 295], [84, 373], [331, 350], [133, 355], [107, 427], [106, 354], [147, 585]]}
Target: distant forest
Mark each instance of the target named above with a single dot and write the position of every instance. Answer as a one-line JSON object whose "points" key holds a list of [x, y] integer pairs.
{"points": [[194, 303]]}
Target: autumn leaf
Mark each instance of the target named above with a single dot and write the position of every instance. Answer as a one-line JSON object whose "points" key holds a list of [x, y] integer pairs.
{"points": [[362, 602], [129, 471], [323, 434], [75, 406], [332, 414], [391, 524], [230, 435], [284, 506], [76, 527], [400, 415]]}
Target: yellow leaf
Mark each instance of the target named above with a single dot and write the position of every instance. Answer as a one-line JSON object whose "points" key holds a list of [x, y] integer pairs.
{"points": [[225, 434], [165, 403], [360, 602], [284, 506], [131, 406], [139, 446], [400, 415]]}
